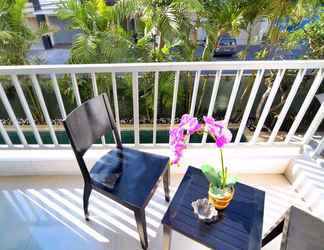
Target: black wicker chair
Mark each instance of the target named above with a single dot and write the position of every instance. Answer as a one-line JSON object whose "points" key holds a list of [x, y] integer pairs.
{"points": [[128, 176]]}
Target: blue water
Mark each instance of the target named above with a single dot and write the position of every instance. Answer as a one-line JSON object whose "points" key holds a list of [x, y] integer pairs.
{"points": [[127, 136]]}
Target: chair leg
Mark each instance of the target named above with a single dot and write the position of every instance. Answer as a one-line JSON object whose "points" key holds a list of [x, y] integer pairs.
{"points": [[86, 196], [141, 226], [166, 184]]}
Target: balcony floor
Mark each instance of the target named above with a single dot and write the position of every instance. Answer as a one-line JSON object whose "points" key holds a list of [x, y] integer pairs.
{"points": [[44, 213]]}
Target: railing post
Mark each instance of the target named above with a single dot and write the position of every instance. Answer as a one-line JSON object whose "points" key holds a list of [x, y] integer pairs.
{"points": [[116, 107], [231, 101], [218, 77], [249, 105], [12, 116], [135, 107], [318, 150], [294, 88], [25, 107], [40, 98], [308, 99], [314, 125], [5, 135], [194, 93], [95, 93], [267, 106], [175, 96], [76, 89], [155, 107], [58, 95]]}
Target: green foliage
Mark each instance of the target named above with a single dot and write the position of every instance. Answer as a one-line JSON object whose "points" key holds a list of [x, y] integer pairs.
{"points": [[15, 36], [281, 15], [213, 177], [311, 35], [103, 36], [218, 179], [159, 31]]}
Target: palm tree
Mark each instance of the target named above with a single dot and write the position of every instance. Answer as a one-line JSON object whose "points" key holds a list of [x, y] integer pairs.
{"points": [[103, 36], [15, 36], [280, 14], [163, 27], [218, 17]]}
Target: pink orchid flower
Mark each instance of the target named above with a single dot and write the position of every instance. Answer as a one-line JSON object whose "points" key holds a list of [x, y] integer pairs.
{"points": [[177, 143], [189, 124], [218, 130], [224, 137]]}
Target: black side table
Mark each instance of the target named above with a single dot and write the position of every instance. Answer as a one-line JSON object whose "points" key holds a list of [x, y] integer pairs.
{"points": [[239, 226], [301, 231]]}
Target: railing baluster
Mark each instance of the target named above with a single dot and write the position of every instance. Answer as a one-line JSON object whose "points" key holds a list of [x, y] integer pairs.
{"points": [[267, 106], [94, 84], [58, 95], [318, 150], [40, 97], [12, 116], [95, 93], [76, 89], [115, 94], [156, 94], [286, 106], [314, 125], [26, 109], [217, 79], [135, 107], [249, 105], [175, 96], [5, 135], [308, 99], [231, 101], [194, 93]]}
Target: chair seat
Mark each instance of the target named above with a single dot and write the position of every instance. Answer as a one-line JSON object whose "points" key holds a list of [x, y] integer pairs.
{"points": [[139, 173]]}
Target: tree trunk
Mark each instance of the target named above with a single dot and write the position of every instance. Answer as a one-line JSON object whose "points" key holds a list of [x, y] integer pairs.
{"points": [[262, 102]]}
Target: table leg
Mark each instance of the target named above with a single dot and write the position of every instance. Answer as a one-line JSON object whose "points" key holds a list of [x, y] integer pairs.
{"points": [[274, 232], [166, 237], [280, 226], [166, 184]]}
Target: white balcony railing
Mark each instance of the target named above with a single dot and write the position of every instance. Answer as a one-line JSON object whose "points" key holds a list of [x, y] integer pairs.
{"points": [[217, 69]]}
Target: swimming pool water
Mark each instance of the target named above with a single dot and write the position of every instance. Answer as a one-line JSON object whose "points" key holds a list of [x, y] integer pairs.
{"points": [[127, 136]]}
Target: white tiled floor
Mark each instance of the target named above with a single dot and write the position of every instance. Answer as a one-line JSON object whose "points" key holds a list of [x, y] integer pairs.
{"points": [[45, 213]]}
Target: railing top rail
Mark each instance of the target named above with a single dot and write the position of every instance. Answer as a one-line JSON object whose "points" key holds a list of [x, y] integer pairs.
{"points": [[165, 66]]}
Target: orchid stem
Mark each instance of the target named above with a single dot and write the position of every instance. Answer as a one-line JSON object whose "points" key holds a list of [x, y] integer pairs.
{"points": [[223, 168]]}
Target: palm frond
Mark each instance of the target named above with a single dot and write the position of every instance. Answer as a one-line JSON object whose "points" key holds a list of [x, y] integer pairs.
{"points": [[84, 49]]}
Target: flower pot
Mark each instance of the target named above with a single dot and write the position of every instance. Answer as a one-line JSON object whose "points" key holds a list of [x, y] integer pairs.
{"points": [[220, 202]]}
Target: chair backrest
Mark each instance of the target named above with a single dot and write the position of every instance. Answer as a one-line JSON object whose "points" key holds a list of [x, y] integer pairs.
{"points": [[87, 123]]}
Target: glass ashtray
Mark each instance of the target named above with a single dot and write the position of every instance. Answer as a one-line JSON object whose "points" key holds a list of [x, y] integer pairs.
{"points": [[204, 210]]}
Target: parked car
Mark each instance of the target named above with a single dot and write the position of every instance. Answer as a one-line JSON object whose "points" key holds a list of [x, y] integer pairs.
{"points": [[225, 45]]}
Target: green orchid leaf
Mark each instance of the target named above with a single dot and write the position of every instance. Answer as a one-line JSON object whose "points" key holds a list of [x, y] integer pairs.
{"points": [[231, 180], [213, 177]]}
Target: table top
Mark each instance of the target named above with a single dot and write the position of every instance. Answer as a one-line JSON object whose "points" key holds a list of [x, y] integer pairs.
{"points": [[238, 227], [302, 231]]}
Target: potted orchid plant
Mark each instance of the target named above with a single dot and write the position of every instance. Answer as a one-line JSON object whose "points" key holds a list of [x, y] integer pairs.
{"points": [[221, 184]]}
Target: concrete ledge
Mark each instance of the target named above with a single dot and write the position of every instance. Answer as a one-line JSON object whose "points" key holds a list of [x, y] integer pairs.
{"points": [[240, 159]]}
